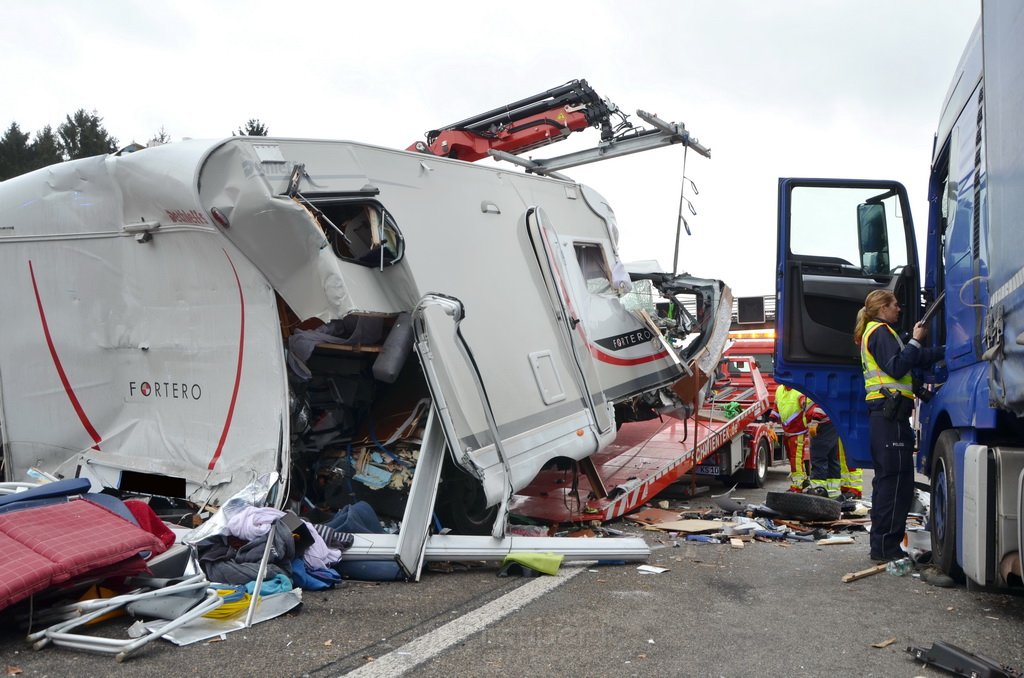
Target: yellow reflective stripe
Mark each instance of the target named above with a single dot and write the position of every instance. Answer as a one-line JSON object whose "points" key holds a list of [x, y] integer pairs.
{"points": [[792, 417], [876, 379]]}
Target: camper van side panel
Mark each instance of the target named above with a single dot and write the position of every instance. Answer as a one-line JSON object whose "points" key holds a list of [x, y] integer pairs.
{"points": [[156, 354]]}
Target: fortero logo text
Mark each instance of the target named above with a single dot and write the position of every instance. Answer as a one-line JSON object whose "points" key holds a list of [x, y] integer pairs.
{"points": [[622, 341], [164, 389]]}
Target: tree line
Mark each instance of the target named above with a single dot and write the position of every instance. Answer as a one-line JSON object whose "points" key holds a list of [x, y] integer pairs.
{"points": [[81, 135]]}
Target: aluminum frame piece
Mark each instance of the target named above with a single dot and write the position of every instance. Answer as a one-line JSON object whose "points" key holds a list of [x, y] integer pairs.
{"points": [[445, 547], [412, 541], [205, 628], [60, 634]]}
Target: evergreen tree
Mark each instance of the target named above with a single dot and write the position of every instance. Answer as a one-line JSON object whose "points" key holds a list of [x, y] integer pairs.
{"points": [[160, 138], [83, 135], [45, 148], [253, 128], [15, 157]]}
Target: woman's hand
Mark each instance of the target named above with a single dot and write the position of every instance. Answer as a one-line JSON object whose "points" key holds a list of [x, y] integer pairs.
{"points": [[920, 332]]}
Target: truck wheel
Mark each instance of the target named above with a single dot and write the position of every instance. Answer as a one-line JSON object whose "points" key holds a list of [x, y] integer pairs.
{"points": [[806, 506], [755, 477], [461, 502], [942, 515]]}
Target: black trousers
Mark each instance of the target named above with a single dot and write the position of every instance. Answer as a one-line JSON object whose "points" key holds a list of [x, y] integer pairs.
{"points": [[825, 453], [892, 490]]}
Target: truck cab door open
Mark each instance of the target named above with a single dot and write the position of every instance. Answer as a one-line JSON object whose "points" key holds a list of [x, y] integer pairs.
{"points": [[838, 241]]}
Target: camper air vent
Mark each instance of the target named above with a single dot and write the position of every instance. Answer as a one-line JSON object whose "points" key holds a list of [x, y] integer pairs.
{"points": [[268, 152]]}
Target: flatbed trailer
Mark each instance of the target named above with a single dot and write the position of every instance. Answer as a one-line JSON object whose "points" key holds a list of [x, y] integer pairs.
{"points": [[648, 456]]}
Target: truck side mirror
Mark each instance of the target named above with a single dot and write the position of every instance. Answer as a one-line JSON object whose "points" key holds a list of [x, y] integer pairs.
{"points": [[872, 238]]}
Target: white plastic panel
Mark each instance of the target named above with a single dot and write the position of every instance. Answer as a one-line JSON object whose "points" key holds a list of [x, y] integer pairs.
{"points": [[975, 511], [551, 389]]}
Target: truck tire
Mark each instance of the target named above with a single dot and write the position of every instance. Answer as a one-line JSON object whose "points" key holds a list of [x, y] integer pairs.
{"points": [[942, 514], [806, 506], [461, 504], [755, 477]]}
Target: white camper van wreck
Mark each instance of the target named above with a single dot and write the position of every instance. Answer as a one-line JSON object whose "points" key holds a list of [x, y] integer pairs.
{"points": [[182, 319]]}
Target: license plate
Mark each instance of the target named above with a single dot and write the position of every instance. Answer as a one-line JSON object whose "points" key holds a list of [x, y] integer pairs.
{"points": [[709, 470]]}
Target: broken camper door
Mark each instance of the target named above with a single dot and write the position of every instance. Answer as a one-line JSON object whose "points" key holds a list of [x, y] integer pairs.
{"points": [[502, 454], [618, 353], [549, 254], [838, 241]]}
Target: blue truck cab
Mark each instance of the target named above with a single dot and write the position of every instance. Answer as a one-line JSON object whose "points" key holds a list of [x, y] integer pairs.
{"points": [[840, 239]]}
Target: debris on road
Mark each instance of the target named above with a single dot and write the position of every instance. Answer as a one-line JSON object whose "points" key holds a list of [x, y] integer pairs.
{"points": [[530, 564], [961, 662], [866, 572], [651, 569], [651, 516], [807, 506]]}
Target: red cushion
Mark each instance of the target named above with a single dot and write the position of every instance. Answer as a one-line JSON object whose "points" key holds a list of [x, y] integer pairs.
{"points": [[52, 544]]}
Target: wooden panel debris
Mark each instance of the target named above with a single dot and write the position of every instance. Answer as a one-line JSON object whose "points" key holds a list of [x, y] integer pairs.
{"points": [[867, 572]]}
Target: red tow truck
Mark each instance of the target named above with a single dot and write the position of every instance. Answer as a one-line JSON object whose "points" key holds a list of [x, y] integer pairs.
{"points": [[724, 438], [759, 345], [741, 381]]}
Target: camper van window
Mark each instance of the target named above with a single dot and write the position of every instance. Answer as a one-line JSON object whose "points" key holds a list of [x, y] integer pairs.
{"points": [[368, 234], [594, 267]]}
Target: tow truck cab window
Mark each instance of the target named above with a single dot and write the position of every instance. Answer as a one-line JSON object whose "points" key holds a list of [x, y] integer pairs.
{"points": [[594, 266], [365, 233], [765, 365]]}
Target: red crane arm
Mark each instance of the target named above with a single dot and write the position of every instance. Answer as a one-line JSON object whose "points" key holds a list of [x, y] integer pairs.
{"points": [[522, 125]]}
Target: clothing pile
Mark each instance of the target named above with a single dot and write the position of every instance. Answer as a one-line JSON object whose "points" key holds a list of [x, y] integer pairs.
{"points": [[299, 553]]}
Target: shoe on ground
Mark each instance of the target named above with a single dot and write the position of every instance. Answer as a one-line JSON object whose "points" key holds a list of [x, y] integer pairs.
{"points": [[936, 577], [885, 559]]}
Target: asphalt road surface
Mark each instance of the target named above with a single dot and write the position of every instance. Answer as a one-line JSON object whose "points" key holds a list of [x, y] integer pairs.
{"points": [[768, 609]]}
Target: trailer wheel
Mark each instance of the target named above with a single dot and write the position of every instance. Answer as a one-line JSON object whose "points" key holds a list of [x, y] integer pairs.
{"points": [[942, 515], [806, 506], [755, 477]]}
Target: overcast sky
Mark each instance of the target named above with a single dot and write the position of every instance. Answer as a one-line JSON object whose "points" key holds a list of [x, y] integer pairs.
{"points": [[773, 87]]}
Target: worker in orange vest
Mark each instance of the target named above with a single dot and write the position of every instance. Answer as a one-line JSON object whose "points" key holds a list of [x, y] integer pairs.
{"points": [[790, 410]]}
